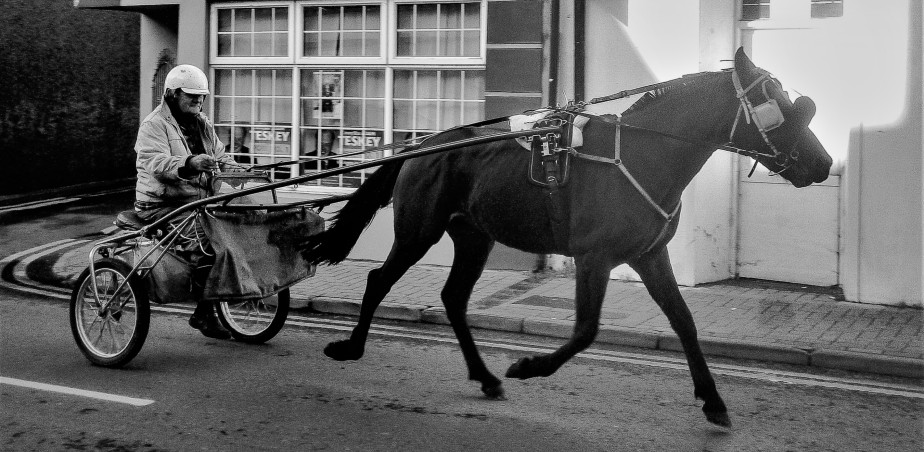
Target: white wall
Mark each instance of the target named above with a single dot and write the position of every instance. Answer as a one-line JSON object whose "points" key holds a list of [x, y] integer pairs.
{"points": [[882, 258], [156, 35], [649, 47]]}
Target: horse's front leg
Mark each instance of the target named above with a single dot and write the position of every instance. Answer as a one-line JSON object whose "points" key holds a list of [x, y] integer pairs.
{"points": [[591, 280], [658, 276]]}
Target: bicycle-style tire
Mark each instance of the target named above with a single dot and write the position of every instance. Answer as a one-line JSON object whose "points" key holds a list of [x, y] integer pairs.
{"points": [[255, 321], [114, 336]]}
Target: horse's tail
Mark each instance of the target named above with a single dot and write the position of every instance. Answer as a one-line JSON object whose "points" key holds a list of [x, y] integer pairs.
{"points": [[334, 244]]}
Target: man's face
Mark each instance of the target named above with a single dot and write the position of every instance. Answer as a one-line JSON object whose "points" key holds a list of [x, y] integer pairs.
{"points": [[239, 138], [190, 103]]}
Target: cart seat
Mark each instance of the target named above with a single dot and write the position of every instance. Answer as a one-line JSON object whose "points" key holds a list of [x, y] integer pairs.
{"points": [[129, 221]]}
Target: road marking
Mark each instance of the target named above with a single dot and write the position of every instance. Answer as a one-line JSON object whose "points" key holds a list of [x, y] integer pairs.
{"points": [[74, 391], [37, 204], [679, 364], [24, 284], [20, 270], [665, 362]]}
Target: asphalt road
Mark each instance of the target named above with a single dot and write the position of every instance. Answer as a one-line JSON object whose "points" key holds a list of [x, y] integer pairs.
{"points": [[408, 393]]}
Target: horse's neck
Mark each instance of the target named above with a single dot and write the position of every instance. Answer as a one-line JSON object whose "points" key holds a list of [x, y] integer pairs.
{"points": [[703, 115]]}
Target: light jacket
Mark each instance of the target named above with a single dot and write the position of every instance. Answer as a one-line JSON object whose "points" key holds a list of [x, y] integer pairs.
{"points": [[162, 150]]}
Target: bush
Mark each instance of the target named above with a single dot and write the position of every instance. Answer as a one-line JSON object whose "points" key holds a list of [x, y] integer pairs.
{"points": [[69, 104]]}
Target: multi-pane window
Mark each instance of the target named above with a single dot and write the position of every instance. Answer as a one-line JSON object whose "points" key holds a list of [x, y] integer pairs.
{"points": [[434, 100], [361, 75], [342, 113], [827, 8], [440, 29], [253, 32], [791, 9], [755, 9], [253, 111], [342, 31]]}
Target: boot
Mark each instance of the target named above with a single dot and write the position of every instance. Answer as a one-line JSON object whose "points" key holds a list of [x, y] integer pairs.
{"points": [[206, 321]]}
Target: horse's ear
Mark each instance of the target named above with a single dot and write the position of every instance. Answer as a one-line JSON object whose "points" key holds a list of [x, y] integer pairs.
{"points": [[743, 64], [804, 109]]}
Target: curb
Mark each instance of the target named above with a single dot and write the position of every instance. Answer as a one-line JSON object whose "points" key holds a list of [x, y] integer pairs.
{"points": [[667, 341]]}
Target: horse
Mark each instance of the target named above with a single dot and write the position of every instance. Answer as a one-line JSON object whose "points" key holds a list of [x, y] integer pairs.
{"points": [[613, 210]]}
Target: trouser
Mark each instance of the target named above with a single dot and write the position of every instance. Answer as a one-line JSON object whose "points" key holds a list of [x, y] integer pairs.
{"points": [[194, 247]]}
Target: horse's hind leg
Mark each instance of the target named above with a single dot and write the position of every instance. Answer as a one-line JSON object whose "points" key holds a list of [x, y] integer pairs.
{"points": [[471, 252], [658, 276], [379, 282]]}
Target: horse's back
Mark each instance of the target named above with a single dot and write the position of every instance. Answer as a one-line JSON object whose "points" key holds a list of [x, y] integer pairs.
{"points": [[486, 186]]}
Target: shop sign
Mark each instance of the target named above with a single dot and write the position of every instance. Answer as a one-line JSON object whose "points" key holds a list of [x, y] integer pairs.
{"points": [[271, 141], [356, 140]]}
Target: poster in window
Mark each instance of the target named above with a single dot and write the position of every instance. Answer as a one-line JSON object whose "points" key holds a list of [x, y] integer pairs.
{"points": [[331, 95]]}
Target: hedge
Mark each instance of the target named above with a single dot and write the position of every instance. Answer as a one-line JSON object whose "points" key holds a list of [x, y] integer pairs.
{"points": [[69, 94]]}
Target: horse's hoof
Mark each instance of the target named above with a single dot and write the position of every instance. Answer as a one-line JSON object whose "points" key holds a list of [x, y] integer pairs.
{"points": [[719, 418], [343, 351], [494, 391], [521, 369]]}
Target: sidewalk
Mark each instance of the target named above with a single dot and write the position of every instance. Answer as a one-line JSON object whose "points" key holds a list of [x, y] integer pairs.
{"points": [[746, 320]]}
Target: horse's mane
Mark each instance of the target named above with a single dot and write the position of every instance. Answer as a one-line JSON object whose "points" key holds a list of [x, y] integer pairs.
{"points": [[680, 85]]}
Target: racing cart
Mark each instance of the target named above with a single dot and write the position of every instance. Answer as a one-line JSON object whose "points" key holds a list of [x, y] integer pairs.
{"points": [[242, 237]]}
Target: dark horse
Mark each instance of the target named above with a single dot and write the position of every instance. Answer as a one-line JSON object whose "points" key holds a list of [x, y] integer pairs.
{"points": [[481, 195]]}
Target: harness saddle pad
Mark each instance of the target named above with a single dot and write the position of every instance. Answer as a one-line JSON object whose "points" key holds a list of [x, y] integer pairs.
{"points": [[527, 122]]}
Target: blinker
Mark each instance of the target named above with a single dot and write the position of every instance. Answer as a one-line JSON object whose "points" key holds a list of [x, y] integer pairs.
{"points": [[767, 116]]}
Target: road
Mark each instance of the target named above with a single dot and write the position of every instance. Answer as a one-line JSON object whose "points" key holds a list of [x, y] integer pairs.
{"points": [[408, 393], [186, 392]]}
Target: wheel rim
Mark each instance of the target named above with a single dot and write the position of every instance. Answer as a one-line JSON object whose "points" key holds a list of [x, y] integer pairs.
{"points": [[250, 317], [106, 333]]}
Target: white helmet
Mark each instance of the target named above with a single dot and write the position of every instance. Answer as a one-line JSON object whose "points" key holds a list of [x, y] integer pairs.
{"points": [[188, 78]]}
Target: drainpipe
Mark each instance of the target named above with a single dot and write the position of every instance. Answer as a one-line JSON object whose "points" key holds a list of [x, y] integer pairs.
{"points": [[554, 23], [580, 8], [554, 42]]}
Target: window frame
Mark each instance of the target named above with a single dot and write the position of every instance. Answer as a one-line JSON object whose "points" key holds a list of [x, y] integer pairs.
{"points": [[395, 60], [296, 62], [788, 15], [301, 59], [214, 58]]}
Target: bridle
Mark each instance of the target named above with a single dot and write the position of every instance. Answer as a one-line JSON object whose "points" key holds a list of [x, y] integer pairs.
{"points": [[766, 116]]}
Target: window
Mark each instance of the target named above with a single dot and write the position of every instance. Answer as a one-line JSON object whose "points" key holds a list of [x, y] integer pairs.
{"points": [[441, 29], [791, 10], [311, 84], [827, 8], [342, 31], [253, 115], [343, 112], [755, 9], [430, 101], [248, 32]]}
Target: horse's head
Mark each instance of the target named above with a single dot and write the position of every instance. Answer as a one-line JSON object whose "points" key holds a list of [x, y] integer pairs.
{"points": [[777, 128]]}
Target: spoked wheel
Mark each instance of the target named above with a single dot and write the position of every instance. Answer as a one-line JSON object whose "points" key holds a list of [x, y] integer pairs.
{"points": [[110, 326], [255, 321]]}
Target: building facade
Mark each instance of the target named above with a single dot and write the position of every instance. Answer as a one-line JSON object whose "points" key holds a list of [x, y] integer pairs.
{"points": [[301, 79]]}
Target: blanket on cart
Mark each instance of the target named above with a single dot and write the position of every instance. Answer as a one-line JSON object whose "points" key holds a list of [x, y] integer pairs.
{"points": [[255, 252]]}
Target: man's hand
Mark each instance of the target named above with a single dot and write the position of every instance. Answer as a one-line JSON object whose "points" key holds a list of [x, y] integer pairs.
{"points": [[203, 163]]}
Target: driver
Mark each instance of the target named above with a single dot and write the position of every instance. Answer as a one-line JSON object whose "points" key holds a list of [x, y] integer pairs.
{"points": [[177, 152]]}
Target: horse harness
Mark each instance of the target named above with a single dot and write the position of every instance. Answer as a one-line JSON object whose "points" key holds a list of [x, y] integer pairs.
{"points": [[550, 153]]}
